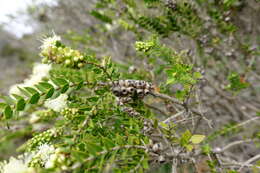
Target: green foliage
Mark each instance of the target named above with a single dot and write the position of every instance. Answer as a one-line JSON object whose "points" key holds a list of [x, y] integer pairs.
{"points": [[237, 82], [212, 165], [229, 3], [101, 17]]}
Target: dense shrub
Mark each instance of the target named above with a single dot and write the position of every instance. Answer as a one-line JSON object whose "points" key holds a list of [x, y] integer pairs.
{"points": [[84, 111]]}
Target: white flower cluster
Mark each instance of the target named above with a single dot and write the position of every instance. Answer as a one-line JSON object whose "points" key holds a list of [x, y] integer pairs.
{"points": [[34, 118], [54, 158], [46, 154], [49, 42], [17, 165], [39, 72], [58, 103], [49, 156]]}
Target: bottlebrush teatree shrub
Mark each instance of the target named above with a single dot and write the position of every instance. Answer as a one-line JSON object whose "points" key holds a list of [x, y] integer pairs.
{"points": [[93, 120], [81, 113]]}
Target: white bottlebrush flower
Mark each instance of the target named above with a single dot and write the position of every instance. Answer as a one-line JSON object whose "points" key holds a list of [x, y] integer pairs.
{"points": [[50, 163], [14, 89], [38, 73], [49, 42], [44, 152], [56, 157], [34, 118], [58, 103], [41, 70], [19, 165]]}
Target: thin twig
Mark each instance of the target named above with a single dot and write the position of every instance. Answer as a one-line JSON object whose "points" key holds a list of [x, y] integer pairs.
{"points": [[157, 109], [232, 144], [171, 118], [246, 122], [253, 159], [174, 165], [163, 96], [209, 122]]}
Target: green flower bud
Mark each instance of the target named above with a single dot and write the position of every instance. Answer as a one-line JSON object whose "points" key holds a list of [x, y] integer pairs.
{"points": [[76, 59], [81, 58], [67, 62], [80, 65], [45, 60]]}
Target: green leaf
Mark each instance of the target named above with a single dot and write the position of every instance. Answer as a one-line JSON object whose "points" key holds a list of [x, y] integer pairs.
{"points": [[2, 105], [189, 147], [79, 85], [64, 88], [97, 70], [6, 110], [196, 139], [108, 143], [59, 81], [101, 162], [84, 108], [164, 125], [8, 99], [151, 1], [93, 148], [93, 99], [31, 90], [24, 92], [169, 72], [34, 95], [100, 91], [101, 17], [62, 83], [145, 164], [46, 88], [20, 103], [229, 3], [34, 98], [185, 137], [49, 93], [170, 81], [197, 75], [206, 149]]}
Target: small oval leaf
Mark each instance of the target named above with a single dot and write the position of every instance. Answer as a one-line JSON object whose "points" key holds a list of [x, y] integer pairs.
{"points": [[196, 139]]}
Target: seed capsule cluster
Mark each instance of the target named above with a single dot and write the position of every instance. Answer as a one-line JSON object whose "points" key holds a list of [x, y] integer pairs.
{"points": [[130, 88], [171, 4], [130, 111], [126, 90]]}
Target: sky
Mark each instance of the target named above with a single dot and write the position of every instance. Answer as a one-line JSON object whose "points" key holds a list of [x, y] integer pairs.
{"points": [[17, 26]]}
